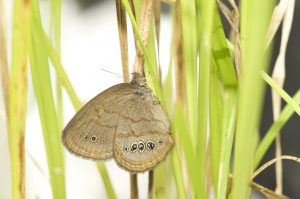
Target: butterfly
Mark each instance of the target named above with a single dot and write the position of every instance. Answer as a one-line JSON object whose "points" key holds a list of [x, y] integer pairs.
{"points": [[126, 122]]}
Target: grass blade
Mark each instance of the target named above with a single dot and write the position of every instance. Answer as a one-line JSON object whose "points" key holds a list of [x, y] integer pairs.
{"points": [[221, 53], [3, 59], [61, 73], [48, 116], [55, 18], [189, 50], [228, 130], [271, 134], [178, 174], [254, 20], [77, 105], [215, 113], [150, 62], [182, 140], [205, 64], [222, 73], [281, 92], [106, 180], [17, 95]]}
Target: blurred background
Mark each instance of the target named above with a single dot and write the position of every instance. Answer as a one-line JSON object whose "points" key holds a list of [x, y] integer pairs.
{"points": [[90, 48]]}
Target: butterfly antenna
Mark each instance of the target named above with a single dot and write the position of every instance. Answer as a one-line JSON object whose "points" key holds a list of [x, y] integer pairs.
{"points": [[107, 71]]}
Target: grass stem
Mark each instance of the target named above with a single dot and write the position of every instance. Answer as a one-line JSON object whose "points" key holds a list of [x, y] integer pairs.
{"points": [[134, 194], [150, 184]]}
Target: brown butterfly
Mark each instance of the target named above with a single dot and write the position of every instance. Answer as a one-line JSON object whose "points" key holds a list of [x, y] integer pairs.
{"points": [[125, 122]]}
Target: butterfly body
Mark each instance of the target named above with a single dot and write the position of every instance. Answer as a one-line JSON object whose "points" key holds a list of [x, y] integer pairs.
{"points": [[125, 122]]}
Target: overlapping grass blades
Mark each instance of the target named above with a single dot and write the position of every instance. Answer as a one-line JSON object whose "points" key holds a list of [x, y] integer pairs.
{"points": [[254, 22], [43, 91], [62, 75], [198, 36], [223, 104], [204, 24], [55, 19], [56, 162], [77, 105]]}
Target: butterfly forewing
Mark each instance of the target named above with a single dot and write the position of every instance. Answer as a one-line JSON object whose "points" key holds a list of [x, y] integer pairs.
{"points": [[91, 132]]}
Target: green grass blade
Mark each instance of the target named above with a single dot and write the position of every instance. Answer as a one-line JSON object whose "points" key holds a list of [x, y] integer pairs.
{"points": [[168, 89], [61, 73], [77, 105], [178, 174], [221, 53], [17, 95], [281, 92], [106, 180], [228, 129], [55, 16], [55, 22], [190, 47], [150, 63], [215, 113], [59, 103], [48, 116], [254, 21], [205, 9], [273, 131], [222, 72], [184, 140], [152, 56], [163, 180]]}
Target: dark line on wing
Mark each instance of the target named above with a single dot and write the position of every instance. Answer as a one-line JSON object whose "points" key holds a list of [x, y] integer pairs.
{"points": [[128, 134]]}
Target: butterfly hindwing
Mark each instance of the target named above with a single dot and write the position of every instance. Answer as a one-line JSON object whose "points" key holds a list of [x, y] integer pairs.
{"points": [[142, 137]]}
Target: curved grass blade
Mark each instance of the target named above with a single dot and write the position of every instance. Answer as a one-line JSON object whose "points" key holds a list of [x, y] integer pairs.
{"points": [[273, 131], [281, 92]]}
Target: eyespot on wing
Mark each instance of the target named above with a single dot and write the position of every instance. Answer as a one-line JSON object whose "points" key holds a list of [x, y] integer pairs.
{"points": [[143, 160]]}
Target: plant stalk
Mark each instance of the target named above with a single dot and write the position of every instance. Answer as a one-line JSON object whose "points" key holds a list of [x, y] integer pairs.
{"points": [[150, 184], [134, 194]]}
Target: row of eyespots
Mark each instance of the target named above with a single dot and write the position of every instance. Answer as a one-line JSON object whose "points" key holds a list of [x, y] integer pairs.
{"points": [[140, 146], [93, 138]]}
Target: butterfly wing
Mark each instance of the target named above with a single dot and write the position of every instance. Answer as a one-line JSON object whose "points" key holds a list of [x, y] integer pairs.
{"points": [[143, 136], [91, 132]]}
